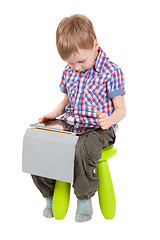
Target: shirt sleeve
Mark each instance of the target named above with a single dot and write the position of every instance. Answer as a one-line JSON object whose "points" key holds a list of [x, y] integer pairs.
{"points": [[116, 84], [63, 84]]}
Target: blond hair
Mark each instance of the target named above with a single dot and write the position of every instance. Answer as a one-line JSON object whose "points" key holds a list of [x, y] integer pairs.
{"points": [[74, 32]]}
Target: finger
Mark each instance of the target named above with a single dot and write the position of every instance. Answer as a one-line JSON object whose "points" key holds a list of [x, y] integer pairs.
{"points": [[103, 115], [101, 120], [98, 113], [104, 126], [40, 119]]}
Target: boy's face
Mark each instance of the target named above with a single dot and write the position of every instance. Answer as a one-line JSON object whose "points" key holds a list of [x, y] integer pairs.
{"points": [[84, 59]]}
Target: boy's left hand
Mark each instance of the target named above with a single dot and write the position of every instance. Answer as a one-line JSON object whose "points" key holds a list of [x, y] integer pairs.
{"points": [[104, 120]]}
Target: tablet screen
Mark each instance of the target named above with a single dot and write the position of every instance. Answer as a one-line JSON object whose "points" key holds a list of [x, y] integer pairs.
{"points": [[61, 126]]}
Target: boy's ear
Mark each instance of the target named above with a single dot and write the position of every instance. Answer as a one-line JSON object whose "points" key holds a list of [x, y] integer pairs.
{"points": [[96, 45]]}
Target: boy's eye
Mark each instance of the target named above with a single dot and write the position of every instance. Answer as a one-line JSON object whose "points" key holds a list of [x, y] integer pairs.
{"points": [[82, 61]]}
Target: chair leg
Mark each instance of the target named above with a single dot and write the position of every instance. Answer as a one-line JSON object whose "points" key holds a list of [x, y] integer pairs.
{"points": [[61, 199], [105, 191]]}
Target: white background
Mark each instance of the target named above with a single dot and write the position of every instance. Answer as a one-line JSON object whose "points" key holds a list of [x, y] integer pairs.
{"points": [[30, 71]]}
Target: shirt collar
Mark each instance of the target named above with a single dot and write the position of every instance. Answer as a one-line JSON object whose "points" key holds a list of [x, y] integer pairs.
{"points": [[100, 60]]}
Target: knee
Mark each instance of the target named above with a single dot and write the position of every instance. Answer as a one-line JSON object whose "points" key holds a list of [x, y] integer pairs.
{"points": [[90, 146], [93, 145]]}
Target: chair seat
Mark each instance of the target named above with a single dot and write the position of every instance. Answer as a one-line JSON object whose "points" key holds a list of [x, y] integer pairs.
{"points": [[108, 152]]}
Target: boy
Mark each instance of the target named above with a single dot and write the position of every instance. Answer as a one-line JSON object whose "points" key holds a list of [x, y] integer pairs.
{"points": [[94, 91]]}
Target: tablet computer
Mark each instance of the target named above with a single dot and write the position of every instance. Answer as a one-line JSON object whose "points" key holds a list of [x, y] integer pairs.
{"points": [[61, 126]]}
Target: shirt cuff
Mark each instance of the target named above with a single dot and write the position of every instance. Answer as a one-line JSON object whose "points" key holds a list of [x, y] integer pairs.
{"points": [[63, 89], [116, 93]]}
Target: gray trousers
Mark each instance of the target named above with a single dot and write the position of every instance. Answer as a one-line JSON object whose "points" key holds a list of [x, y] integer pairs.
{"points": [[88, 151]]}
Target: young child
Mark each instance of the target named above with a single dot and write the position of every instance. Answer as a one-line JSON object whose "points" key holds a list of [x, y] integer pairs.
{"points": [[93, 88]]}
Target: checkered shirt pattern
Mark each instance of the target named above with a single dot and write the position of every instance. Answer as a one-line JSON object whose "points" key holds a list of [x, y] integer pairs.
{"points": [[92, 91]]}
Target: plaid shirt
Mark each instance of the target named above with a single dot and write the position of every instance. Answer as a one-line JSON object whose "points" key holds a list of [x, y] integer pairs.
{"points": [[92, 90]]}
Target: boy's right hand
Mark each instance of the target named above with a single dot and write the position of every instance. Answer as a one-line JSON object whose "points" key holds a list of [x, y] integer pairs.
{"points": [[47, 117]]}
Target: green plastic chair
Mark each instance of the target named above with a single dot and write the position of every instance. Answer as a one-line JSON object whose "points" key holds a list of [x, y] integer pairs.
{"points": [[106, 194]]}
